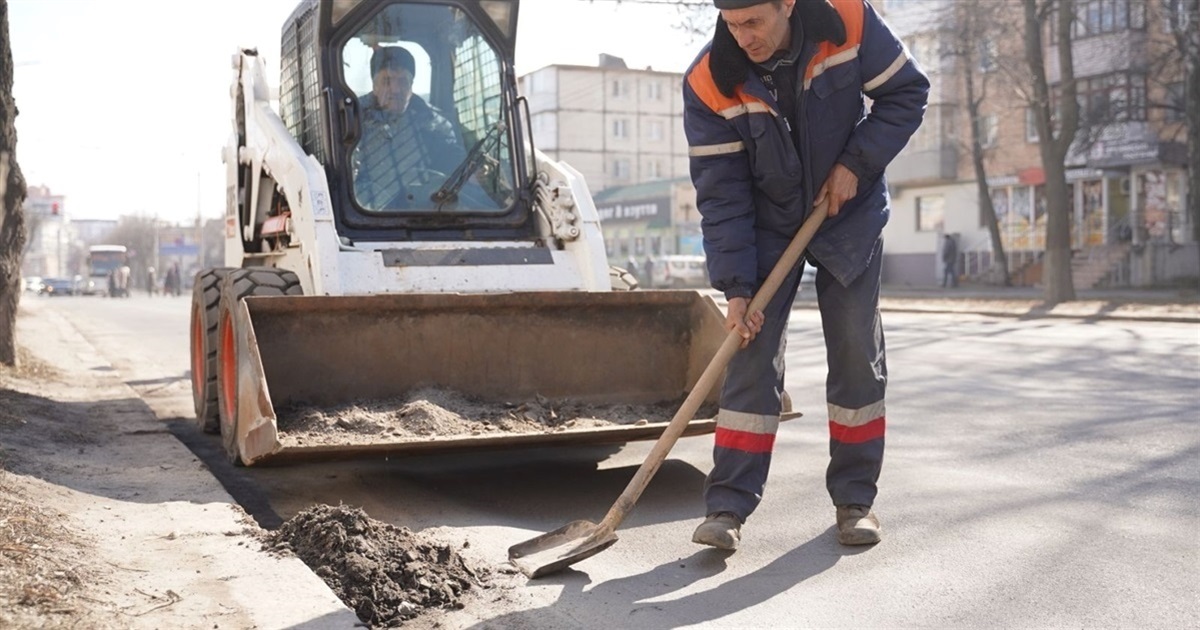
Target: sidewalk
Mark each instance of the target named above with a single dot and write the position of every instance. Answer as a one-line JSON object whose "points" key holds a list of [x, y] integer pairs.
{"points": [[1163, 305], [167, 547], [1160, 305]]}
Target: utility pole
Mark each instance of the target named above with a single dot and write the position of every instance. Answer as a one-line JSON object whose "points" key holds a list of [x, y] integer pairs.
{"points": [[199, 226]]}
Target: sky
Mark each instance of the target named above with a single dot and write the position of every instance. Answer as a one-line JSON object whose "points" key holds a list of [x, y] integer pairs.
{"points": [[124, 104]]}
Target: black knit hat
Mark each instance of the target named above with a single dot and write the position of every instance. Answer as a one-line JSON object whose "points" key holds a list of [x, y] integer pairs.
{"points": [[393, 57], [737, 4]]}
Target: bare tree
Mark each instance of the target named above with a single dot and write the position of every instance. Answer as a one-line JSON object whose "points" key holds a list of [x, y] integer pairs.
{"points": [[696, 17], [1191, 46], [1183, 20], [968, 26], [139, 234], [1055, 139], [12, 195]]}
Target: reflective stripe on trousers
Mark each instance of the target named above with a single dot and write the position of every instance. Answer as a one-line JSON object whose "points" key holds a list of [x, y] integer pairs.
{"points": [[857, 378]]}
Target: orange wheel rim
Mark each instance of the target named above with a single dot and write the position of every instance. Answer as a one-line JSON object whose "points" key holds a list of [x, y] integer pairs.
{"points": [[228, 389], [199, 356]]}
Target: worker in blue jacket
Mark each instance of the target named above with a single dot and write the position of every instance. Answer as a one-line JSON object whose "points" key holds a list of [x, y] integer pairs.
{"points": [[776, 122]]}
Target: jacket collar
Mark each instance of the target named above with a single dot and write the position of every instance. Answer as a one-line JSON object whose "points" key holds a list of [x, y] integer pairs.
{"points": [[816, 19]]}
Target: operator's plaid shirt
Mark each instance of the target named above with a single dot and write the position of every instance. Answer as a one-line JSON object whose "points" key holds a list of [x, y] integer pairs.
{"points": [[387, 158]]}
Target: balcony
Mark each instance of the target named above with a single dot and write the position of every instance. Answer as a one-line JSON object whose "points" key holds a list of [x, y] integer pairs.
{"points": [[924, 166]]}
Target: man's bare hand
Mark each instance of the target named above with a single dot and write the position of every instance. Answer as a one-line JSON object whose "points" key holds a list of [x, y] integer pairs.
{"points": [[841, 187], [748, 326]]}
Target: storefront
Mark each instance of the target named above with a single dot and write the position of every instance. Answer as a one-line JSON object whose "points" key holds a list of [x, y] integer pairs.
{"points": [[649, 220]]}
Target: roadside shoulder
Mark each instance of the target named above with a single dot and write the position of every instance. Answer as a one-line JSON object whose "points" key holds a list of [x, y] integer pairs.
{"points": [[168, 544]]}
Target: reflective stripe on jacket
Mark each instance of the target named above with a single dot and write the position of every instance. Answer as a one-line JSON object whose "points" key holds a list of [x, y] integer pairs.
{"points": [[748, 173]]}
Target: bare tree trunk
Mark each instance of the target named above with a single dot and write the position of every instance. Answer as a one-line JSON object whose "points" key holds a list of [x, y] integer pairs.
{"points": [[1191, 52], [12, 194], [967, 25], [1056, 266]]}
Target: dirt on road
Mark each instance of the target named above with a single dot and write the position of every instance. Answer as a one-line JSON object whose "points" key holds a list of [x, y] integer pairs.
{"points": [[107, 521]]}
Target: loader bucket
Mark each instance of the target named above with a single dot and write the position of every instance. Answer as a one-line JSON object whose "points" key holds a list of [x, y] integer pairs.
{"points": [[629, 347]]}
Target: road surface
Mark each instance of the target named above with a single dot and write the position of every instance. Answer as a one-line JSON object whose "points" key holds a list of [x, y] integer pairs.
{"points": [[1040, 472]]}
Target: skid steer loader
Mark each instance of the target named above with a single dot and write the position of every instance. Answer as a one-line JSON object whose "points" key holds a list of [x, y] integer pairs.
{"points": [[391, 226]]}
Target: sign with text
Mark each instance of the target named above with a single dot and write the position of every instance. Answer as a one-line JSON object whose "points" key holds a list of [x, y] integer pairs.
{"points": [[631, 211]]}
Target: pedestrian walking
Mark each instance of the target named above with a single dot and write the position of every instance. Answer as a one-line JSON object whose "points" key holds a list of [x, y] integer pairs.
{"points": [[171, 282], [949, 262], [151, 282], [775, 120]]}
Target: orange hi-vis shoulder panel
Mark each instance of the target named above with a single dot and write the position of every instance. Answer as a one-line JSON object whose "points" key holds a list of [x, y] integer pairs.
{"points": [[741, 103], [830, 54]]}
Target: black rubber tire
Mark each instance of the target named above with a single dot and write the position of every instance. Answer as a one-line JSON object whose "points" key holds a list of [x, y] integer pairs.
{"points": [[206, 296], [238, 285]]}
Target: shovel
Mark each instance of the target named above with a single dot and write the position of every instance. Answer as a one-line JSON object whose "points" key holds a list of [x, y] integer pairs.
{"points": [[579, 540]]}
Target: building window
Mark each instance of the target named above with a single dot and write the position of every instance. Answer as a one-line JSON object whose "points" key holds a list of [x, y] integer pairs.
{"points": [[620, 128], [987, 55], [620, 169], [1176, 18], [1176, 106], [1031, 130], [1112, 98], [654, 130], [989, 130], [654, 91], [653, 169], [619, 88], [930, 213], [1098, 17]]}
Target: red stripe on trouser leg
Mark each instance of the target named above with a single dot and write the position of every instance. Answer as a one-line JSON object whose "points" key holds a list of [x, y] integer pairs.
{"points": [[745, 441], [872, 430]]}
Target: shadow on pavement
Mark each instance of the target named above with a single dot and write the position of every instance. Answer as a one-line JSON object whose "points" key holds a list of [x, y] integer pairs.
{"points": [[625, 602]]}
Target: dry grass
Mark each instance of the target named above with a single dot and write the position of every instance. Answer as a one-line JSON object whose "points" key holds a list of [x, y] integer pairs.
{"points": [[41, 582], [43, 565]]}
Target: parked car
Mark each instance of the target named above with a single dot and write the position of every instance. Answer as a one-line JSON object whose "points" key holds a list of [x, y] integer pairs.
{"points": [[34, 284], [679, 272], [59, 286]]}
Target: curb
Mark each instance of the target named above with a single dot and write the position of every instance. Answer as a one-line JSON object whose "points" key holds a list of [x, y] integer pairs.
{"points": [[208, 557]]}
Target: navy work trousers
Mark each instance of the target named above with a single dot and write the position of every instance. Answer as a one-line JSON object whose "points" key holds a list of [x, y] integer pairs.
{"points": [[854, 391]]}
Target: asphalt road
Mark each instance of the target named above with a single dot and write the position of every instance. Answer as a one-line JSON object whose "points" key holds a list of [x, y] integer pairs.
{"points": [[1040, 472]]}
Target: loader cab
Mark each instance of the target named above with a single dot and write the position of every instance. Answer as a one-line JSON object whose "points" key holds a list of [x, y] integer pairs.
{"points": [[411, 107]]}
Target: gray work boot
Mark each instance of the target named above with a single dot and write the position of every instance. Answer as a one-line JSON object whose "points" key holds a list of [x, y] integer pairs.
{"points": [[857, 525], [721, 530]]}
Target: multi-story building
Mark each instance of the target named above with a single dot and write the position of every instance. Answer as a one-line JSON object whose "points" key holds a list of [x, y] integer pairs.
{"points": [[615, 125], [931, 181], [50, 250], [1125, 172], [622, 129]]}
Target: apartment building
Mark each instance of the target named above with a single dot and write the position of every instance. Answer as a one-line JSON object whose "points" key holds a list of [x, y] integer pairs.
{"points": [[931, 182], [1126, 170], [615, 125], [50, 250], [622, 128]]}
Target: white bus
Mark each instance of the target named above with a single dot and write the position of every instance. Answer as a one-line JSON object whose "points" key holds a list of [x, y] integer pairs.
{"points": [[101, 261]]}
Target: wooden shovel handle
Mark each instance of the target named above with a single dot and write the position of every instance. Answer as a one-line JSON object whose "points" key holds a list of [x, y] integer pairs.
{"points": [[708, 379]]}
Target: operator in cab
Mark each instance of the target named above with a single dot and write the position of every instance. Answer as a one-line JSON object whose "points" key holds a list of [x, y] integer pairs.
{"points": [[407, 148]]}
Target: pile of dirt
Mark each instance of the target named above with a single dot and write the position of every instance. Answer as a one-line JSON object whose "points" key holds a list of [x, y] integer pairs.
{"points": [[444, 413], [387, 574]]}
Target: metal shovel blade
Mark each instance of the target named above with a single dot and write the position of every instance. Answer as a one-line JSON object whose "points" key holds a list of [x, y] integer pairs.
{"points": [[554, 551]]}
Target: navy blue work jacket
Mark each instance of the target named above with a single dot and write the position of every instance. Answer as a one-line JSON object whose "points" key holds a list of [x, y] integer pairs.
{"points": [[755, 186]]}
